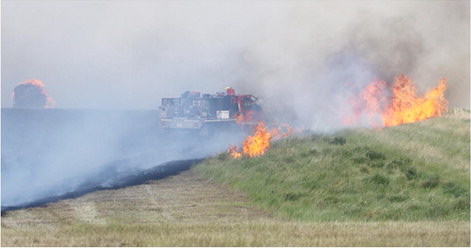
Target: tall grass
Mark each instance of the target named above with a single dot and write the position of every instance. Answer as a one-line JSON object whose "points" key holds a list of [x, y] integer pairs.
{"points": [[414, 172]]}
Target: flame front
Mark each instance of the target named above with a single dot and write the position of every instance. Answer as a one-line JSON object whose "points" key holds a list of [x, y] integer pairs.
{"points": [[407, 107], [398, 105], [371, 103], [233, 152], [259, 143]]}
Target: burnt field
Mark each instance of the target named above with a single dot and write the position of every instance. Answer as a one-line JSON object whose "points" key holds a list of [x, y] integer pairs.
{"points": [[106, 181], [52, 154]]}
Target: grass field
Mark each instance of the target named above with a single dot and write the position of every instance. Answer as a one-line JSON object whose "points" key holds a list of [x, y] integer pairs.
{"points": [[400, 186], [187, 210], [414, 172]]}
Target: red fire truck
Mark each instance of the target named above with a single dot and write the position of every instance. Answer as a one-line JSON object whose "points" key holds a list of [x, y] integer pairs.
{"points": [[194, 110]]}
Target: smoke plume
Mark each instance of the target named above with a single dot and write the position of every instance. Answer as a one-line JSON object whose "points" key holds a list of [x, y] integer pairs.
{"points": [[31, 94]]}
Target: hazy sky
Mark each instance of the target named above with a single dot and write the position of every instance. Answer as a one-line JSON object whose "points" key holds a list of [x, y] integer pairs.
{"points": [[129, 54]]}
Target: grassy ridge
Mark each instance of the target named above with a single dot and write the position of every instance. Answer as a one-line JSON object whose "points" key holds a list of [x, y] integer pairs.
{"points": [[414, 172]]}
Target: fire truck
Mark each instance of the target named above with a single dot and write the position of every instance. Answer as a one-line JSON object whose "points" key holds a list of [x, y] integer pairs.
{"points": [[196, 111]]}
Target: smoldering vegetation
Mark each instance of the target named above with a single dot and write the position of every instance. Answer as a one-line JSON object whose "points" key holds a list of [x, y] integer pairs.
{"points": [[49, 153]]}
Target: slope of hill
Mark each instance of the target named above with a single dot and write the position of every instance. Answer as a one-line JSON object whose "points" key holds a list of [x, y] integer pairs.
{"points": [[413, 172]]}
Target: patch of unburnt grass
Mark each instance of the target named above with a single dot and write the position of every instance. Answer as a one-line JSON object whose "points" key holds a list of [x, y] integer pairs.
{"points": [[355, 175]]}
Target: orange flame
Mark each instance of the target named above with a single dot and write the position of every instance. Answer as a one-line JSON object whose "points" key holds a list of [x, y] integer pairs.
{"points": [[371, 102], [404, 106], [259, 143], [233, 152], [407, 107]]}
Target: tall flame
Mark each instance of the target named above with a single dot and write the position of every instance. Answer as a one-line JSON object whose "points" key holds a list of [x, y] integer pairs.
{"points": [[407, 107], [259, 143], [399, 104]]}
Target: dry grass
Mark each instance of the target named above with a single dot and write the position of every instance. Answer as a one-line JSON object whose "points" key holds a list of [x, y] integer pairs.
{"points": [[265, 233], [436, 139], [186, 210]]}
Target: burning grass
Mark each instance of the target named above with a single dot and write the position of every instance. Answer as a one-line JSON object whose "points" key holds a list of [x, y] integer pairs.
{"points": [[384, 105], [413, 172], [258, 143]]}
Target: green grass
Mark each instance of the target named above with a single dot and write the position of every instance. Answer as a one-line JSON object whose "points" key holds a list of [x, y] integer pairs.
{"points": [[413, 172]]}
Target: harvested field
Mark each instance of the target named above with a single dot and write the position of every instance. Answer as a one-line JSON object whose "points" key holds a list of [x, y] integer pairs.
{"points": [[187, 210]]}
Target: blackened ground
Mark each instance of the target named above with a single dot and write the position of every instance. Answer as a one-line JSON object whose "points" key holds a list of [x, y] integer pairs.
{"points": [[102, 182]]}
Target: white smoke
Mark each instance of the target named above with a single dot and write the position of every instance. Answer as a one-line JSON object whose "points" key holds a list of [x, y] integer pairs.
{"points": [[47, 152], [129, 54]]}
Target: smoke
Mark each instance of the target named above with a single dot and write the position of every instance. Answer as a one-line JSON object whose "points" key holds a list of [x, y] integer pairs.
{"points": [[48, 152], [304, 59], [104, 54], [325, 53], [31, 94]]}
